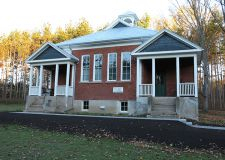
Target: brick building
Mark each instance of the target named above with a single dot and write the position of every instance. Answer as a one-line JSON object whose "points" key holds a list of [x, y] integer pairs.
{"points": [[123, 69]]}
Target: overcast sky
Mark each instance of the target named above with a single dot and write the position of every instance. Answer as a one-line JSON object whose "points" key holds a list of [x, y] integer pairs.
{"points": [[30, 15]]}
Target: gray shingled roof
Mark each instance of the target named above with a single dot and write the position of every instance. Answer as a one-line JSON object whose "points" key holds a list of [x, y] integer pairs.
{"points": [[113, 34]]}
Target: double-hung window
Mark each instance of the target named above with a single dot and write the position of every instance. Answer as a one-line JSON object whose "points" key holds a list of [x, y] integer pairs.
{"points": [[126, 66], [85, 68], [97, 74], [112, 67]]}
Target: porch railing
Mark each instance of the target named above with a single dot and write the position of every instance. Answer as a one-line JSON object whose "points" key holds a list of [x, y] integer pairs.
{"points": [[187, 89], [34, 90], [61, 90], [145, 89]]}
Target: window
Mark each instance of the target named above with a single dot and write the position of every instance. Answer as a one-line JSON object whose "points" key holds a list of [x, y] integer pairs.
{"points": [[85, 105], [85, 68], [97, 67], [112, 64], [124, 106], [125, 66]]}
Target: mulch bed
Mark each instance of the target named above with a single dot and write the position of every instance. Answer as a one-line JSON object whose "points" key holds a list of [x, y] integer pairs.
{"points": [[160, 131]]}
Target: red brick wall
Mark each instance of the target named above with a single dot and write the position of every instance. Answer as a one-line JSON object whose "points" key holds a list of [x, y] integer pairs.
{"points": [[146, 71], [104, 89], [186, 70]]}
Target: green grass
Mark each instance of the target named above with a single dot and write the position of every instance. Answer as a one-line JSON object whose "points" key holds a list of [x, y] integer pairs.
{"points": [[18, 142], [11, 107]]}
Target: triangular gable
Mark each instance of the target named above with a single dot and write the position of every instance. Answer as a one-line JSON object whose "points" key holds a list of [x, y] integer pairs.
{"points": [[50, 51], [167, 41], [118, 23]]}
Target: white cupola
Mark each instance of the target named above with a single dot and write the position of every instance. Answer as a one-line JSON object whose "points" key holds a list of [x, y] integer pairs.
{"points": [[129, 17]]}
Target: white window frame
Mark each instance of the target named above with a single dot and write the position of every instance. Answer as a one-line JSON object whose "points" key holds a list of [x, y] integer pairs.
{"points": [[82, 109], [121, 107], [94, 68], [108, 67], [121, 67], [81, 75]]}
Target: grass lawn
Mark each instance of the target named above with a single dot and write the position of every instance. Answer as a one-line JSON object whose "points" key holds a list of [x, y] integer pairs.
{"points": [[18, 142], [11, 107]]}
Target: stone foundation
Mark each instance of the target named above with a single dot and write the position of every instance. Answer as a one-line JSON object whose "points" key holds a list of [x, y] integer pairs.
{"points": [[187, 107]]}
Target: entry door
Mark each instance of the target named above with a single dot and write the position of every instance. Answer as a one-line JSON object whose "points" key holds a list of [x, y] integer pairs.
{"points": [[160, 84]]}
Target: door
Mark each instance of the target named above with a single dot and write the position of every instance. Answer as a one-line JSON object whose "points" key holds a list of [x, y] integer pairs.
{"points": [[160, 84]]}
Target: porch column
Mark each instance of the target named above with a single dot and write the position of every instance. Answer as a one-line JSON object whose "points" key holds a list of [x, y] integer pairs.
{"points": [[72, 80], [196, 75], [40, 80], [56, 79], [178, 75], [37, 76], [153, 77], [30, 79], [67, 78], [138, 78]]}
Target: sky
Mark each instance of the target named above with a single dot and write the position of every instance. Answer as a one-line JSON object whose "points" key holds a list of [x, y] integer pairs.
{"points": [[31, 15]]}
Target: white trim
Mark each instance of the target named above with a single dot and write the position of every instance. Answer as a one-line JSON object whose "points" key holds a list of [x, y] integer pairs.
{"points": [[108, 67], [121, 107], [56, 79], [159, 34], [40, 80], [166, 56], [178, 75], [94, 80], [81, 75], [137, 77], [196, 75], [49, 60], [106, 46], [43, 47], [121, 66], [82, 106], [153, 77], [51, 63], [117, 21], [165, 52], [30, 79], [67, 79]]}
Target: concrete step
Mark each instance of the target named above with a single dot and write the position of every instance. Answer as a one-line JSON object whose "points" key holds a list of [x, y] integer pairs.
{"points": [[163, 113], [163, 108], [164, 101], [163, 116]]}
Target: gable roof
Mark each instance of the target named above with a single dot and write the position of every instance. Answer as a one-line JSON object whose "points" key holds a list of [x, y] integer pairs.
{"points": [[187, 46], [116, 22], [113, 34], [50, 52]]}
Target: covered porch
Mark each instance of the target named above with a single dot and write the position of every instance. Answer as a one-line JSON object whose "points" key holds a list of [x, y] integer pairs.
{"points": [[167, 76], [52, 79]]}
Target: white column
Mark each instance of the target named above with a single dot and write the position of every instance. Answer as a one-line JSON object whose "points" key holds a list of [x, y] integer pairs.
{"points": [[178, 75], [72, 80], [196, 75], [153, 77], [37, 76], [40, 80], [67, 78], [56, 79], [138, 77], [30, 79]]}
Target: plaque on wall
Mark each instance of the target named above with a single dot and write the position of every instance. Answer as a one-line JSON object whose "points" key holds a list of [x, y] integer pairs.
{"points": [[117, 89]]}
